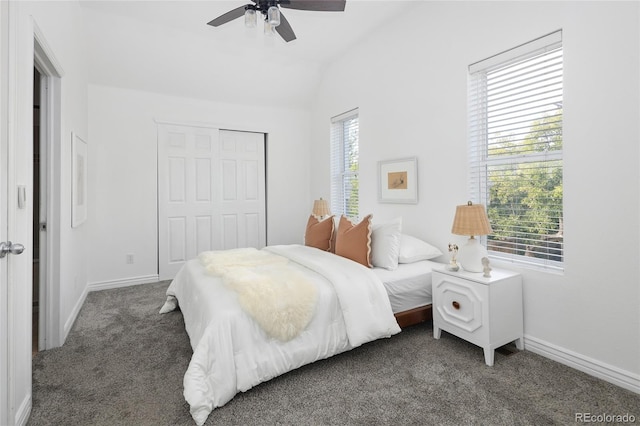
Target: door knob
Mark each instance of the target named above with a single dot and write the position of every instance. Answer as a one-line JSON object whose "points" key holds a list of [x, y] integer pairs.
{"points": [[7, 247]]}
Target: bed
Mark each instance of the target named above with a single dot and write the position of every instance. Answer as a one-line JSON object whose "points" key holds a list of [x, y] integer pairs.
{"points": [[409, 290], [252, 315]]}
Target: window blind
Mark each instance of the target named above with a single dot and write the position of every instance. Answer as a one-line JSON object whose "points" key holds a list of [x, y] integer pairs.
{"points": [[516, 167], [344, 164]]}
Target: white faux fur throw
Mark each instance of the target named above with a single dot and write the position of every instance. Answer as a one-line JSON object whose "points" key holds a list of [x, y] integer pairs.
{"points": [[219, 262], [279, 298]]}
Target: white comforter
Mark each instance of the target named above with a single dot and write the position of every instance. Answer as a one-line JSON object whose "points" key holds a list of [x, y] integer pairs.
{"points": [[231, 353]]}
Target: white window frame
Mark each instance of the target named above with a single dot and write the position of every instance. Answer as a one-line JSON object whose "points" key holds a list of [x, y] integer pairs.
{"points": [[342, 178], [480, 159]]}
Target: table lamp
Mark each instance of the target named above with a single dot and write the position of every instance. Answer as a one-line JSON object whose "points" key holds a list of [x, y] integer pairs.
{"points": [[471, 219], [321, 208]]}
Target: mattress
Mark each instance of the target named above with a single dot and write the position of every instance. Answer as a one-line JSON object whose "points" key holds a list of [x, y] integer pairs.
{"points": [[409, 286]]}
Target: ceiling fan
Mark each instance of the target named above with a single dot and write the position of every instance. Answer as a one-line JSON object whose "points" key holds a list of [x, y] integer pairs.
{"points": [[273, 18]]}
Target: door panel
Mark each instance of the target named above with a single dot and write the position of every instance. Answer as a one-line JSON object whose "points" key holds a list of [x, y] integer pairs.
{"points": [[4, 304], [243, 153], [177, 180], [203, 233], [252, 225], [229, 231], [177, 243], [211, 193], [203, 180], [16, 218], [251, 180], [229, 183]]}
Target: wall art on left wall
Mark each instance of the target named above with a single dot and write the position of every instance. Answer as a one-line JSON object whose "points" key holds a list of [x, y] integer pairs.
{"points": [[78, 180]]}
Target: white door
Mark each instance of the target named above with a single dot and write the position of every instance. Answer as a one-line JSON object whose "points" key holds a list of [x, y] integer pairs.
{"points": [[240, 189], [15, 224], [211, 193], [4, 305]]}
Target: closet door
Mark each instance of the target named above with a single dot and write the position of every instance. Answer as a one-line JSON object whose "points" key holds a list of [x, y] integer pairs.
{"points": [[211, 193], [239, 190]]}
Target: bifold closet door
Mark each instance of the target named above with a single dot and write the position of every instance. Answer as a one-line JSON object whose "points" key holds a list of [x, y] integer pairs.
{"points": [[211, 193]]}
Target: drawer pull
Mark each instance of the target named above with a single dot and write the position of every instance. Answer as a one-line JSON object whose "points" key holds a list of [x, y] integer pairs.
{"points": [[455, 305]]}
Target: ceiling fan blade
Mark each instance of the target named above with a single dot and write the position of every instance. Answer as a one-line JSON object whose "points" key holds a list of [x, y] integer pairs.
{"points": [[229, 16], [317, 5], [285, 30]]}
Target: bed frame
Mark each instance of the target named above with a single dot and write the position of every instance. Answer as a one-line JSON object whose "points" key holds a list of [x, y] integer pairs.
{"points": [[414, 316]]}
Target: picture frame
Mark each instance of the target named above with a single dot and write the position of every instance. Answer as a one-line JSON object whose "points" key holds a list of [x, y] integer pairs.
{"points": [[398, 181], [78, 180]]}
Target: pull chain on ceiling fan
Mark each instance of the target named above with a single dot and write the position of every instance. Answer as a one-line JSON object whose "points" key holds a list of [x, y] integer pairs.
{"points": [[273, 18]]}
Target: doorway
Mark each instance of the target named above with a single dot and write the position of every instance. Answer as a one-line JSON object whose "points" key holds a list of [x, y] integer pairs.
{"points": [[47, 154], [16, 187], [35, 299]]}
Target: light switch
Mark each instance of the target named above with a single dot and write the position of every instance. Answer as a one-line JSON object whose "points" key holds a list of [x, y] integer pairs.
{"points": [[22, 196]]}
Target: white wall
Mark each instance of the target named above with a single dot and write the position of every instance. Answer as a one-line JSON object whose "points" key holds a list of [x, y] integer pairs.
{"points": [[123, 174], [409, 81]]}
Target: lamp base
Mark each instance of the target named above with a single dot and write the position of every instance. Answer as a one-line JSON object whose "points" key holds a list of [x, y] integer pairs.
{"points": [[470, 255]]}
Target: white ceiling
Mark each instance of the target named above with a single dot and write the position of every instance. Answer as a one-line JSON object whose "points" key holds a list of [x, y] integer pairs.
{"points": [[137, 33]]}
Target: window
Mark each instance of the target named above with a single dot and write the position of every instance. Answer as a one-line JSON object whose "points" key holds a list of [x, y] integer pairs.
{"points": [[344, 164], [515, 131]]}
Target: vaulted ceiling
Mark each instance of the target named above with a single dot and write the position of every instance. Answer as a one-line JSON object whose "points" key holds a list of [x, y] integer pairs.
{"points": [[166, 47]]}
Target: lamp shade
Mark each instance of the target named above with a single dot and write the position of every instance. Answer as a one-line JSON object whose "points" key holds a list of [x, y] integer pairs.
{"points": [[471, 219], [321, 208]]}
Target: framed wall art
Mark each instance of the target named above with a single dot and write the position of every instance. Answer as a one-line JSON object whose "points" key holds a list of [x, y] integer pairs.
{"points": [[78, 180], [398, 181]]}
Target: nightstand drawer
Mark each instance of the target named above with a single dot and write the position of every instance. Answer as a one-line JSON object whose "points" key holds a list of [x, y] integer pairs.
{"points": [[459, 304]]}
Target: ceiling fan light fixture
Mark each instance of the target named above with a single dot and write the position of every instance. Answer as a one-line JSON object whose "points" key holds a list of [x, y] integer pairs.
{"points": [[250, 18], [269, 29], [275, 21], [273, 16]]}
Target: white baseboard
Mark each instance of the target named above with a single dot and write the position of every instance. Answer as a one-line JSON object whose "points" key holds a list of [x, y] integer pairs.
{"points": [[106, 285], [609, 373], [24, 411], [103, 285], [72, 318]]}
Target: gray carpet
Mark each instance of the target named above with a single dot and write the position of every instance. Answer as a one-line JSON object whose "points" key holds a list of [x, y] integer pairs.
{"points": [[123, 364]]}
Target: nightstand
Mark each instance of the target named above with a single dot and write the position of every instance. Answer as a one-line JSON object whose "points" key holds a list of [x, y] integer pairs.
{"points": [[484, 311]]}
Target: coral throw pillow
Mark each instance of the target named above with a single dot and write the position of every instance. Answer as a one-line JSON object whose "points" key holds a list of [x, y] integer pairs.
{"points": [[319, 233], [354, 241]]}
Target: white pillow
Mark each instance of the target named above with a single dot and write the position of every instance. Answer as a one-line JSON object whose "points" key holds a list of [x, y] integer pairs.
{"points": [[385, 244], [412, 250]]}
